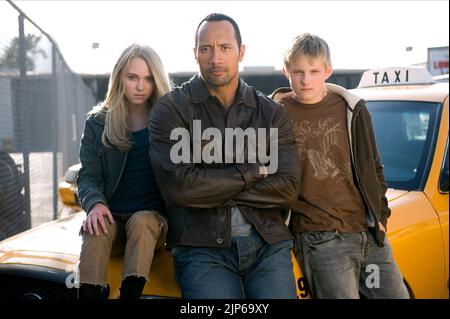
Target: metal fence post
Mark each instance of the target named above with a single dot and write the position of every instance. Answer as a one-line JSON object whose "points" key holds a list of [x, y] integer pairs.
{"points": [[54, 117], [24, 118]]}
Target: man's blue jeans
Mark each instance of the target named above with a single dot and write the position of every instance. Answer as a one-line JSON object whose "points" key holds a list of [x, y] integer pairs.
{"points": [[250, 268], [341, 265]]}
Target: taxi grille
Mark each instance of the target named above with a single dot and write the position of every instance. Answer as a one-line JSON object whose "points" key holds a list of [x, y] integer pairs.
{"points": [[16, 287]]}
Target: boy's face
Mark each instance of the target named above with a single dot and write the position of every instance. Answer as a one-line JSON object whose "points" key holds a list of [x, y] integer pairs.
{"points": [[307, 77]]}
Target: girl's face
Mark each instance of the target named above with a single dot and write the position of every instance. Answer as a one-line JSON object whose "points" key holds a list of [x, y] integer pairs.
{"points": [[138, 82]]}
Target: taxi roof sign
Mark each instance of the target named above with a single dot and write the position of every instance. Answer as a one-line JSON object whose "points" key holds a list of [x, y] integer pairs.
{"points": [[395, 76]]}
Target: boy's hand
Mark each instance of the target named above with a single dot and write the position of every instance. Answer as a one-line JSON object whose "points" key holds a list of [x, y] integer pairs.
{"points": [[382, 227], [95, 217]]}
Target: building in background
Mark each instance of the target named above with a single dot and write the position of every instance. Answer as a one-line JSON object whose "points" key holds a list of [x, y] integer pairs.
{"points": [[437, 60], [264, 78]]}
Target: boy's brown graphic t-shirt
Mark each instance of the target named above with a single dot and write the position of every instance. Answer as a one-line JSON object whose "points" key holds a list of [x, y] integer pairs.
{"points": [[329, 199]]}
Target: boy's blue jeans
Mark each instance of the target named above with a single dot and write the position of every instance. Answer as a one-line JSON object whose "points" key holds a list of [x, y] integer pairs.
{"points": [[342, 265], [250, 268]]}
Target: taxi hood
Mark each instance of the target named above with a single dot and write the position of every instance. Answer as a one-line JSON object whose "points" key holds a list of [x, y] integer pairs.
{"points": [[57, 244], [54, 245]]}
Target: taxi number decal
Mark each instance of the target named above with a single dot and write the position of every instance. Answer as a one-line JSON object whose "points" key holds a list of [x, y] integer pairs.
{"points": [[303, 287]]}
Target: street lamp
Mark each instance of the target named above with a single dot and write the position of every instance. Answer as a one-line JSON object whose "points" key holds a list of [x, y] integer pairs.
{"points": [[95, 46], [409, 49]]}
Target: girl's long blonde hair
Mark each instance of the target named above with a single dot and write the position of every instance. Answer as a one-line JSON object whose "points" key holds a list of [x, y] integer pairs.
{"points": [[117, 131]]}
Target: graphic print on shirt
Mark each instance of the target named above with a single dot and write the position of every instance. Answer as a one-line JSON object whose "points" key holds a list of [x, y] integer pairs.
{"points": [[319, 143]]}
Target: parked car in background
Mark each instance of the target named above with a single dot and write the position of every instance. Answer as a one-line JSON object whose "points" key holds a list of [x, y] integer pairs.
{"points": [[67, 191], [410, 114], [13, 217]]}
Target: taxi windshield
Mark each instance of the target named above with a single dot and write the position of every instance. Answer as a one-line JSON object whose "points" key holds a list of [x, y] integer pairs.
{"points": [[405, 132]]}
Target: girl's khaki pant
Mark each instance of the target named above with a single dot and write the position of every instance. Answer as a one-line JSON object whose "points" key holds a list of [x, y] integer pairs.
{"points": [[137, 235]]}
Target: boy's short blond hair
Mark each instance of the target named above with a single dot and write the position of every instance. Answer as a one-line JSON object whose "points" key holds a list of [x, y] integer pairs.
{"points": [[307, 45]]}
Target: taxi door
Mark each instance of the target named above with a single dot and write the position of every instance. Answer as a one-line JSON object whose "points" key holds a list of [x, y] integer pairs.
{"points": [[435, 188]]}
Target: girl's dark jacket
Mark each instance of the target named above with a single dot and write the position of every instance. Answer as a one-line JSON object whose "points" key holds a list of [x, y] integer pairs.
{"points": [[101, 167]]}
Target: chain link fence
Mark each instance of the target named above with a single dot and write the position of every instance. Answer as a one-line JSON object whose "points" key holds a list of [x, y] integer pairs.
{"points": [[42, 112]]}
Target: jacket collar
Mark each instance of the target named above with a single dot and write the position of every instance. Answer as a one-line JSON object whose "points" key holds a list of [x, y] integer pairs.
{"points": [[199, 92], [349, 97]]}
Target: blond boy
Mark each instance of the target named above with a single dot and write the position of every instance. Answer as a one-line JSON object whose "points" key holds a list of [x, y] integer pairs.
{"points": [[339, 219]]}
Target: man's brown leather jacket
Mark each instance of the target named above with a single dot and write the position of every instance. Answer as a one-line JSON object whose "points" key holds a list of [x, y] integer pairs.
{"points": [[199, 195]]}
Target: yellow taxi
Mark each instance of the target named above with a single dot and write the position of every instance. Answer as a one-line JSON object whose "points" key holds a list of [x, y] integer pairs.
{"points": [[410, 116]]}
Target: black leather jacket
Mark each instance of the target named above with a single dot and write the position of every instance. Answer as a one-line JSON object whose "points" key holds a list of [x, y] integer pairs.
{"points": [[200, 195]]}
